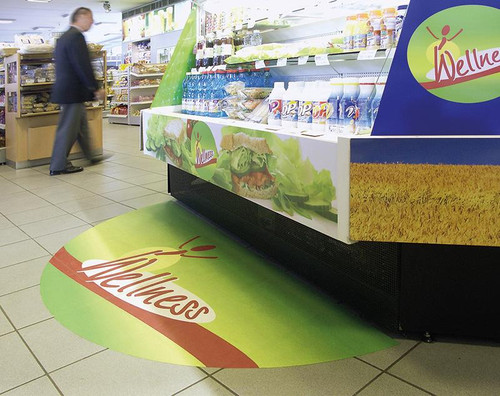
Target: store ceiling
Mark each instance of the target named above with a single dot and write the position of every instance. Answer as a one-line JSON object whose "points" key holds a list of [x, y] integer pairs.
{"points": [[44, 18]]}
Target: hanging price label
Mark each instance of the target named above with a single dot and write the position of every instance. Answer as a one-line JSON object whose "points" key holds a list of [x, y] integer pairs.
{"points": [[281, 62], [260, 64], [193, 70], [321, 60], [303, 60], [367, 54], [239, 26], [201, 69], [251, 23], [222, 67]]}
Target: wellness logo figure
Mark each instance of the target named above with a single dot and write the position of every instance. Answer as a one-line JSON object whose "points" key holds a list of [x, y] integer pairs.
{"points": [[462, 63]]}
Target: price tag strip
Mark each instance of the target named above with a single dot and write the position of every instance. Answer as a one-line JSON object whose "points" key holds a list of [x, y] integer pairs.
{"points": [[303, 59], [260, 64], [321, 60], [367, 54], [282, 62]]}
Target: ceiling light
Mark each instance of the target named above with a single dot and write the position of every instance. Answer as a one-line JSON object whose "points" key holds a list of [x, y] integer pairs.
{"points": [[105, 23], [38, 1], [43, 27], [7, 20]]}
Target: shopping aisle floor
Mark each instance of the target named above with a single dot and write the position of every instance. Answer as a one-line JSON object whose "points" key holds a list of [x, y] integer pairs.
{"points": [[39, 214]]}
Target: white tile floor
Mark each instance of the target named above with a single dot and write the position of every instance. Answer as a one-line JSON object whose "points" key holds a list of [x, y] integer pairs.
{"points": [[39, 214]]}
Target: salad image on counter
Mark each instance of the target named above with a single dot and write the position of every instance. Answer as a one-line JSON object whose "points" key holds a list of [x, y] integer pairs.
{"points": [[168, 139], [257, 164], [248, 160]]}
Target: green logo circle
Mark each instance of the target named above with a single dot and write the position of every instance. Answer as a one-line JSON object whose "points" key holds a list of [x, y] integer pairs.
{"points": [[455, 54], [203, 150]]}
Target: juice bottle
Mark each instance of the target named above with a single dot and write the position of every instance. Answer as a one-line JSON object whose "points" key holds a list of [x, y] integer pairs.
{"points": [[336, 93], [199, 52], [349, 33], [348, 110], [218, 49], [275, 104], [289, 115], [388, 28], [208, 53], [373, 36], [366, 91], [227, 45], [320, 106], [361, 31], [305, 111]]}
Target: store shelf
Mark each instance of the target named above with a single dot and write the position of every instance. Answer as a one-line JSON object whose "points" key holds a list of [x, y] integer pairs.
{"points": [[37, 84], [54, 112], [336, 57], [141, 103], [118, 115], [147, 75], [118, 88], [145, 86], [113, 103], [135, 120], [3, 150]]}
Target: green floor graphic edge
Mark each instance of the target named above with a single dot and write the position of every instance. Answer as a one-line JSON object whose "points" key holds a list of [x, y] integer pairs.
{"points": [[239, 309]]}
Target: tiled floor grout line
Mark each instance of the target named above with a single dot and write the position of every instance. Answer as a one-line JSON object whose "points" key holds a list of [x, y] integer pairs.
{"points": [[36, 323], [409, 383], [31, 351], [25, 261], [191, 385], [222, 384], [79, 360], [368, 384], [18, 386], [22, 289], [386, 371]]}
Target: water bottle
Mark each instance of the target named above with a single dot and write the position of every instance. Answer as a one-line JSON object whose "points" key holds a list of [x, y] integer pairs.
{"points": [[198, 110], [349, 106], [185, 93], [192, 93], [379, 91], [218, 94], [268, 78], [366, 90], [336, 93]]}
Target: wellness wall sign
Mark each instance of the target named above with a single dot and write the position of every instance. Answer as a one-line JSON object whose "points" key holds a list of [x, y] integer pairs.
{"points": [[445, 76], [455, 54]]}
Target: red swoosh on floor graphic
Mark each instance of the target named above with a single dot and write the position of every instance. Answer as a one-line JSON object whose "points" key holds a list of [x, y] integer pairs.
{"points": [[207, 347]]}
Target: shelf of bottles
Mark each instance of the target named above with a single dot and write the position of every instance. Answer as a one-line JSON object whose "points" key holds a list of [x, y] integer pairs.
{"points": [[334, 81]]}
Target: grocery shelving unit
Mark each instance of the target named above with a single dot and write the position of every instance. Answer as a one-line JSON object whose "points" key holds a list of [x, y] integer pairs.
{"points": [[136, 94], [119, 98], [31, 120]]}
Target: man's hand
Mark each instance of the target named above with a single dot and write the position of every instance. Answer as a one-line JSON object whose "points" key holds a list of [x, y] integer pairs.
{"points": [[99, 94]]}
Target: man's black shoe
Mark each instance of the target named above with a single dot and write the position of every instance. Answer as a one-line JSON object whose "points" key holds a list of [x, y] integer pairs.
{"points": [[69, 169]]}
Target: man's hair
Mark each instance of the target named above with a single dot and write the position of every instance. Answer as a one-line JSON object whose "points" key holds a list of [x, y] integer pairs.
{"points": [[79, 11]]}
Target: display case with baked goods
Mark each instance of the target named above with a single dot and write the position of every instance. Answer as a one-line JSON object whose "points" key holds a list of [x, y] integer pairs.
{"points": [[144, 81], [31, 118], [119, 94]]}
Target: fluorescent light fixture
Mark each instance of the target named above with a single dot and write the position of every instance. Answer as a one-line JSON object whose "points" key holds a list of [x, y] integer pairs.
{"points": [[43, 27], [38, 1], [4, 21], [104, 23]]}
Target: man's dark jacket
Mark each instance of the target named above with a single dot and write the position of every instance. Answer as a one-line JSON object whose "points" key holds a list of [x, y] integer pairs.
{"points": [[75, 81]]}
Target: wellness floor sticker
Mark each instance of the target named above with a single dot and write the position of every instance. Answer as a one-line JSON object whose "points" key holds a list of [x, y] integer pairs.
{"points": [[162, 284]]}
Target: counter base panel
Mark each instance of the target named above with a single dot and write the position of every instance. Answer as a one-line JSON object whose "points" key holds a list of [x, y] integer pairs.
{"points": [[409, 288]]}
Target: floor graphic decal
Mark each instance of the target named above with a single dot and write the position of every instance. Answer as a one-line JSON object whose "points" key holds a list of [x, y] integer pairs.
{"points": [[162, 284]]}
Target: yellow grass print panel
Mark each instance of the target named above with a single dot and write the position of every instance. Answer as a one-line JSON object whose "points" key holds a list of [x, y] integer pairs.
{"points": [[445, 204]]}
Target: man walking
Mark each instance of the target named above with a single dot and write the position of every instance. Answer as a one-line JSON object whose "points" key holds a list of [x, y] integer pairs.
{"points": [[75, 84]]}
